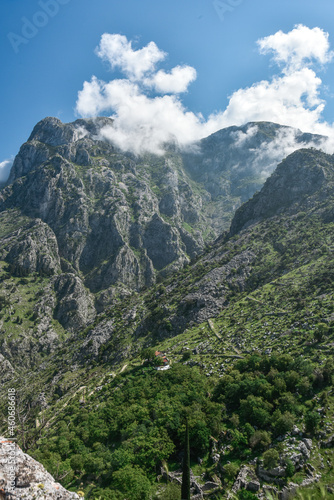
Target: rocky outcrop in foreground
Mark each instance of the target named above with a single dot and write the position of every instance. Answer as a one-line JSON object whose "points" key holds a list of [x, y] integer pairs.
{"points": [[32, 480]]}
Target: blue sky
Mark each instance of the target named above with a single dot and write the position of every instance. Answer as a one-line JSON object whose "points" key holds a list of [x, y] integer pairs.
{"points": [[45, 68]]}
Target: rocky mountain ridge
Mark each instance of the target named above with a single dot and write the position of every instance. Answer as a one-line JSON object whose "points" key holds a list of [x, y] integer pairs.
{"points": [[97, 224], [121, 220], [304, 178]]}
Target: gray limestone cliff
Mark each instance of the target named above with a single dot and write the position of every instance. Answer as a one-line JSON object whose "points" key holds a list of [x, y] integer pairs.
{"points": [[120, 220]]}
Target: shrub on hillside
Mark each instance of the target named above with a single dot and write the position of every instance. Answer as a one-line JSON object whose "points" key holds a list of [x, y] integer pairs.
{"points": [[270, 458]]}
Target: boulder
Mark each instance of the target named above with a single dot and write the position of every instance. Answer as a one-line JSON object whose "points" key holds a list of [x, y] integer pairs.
{"points": [[329, 443], [246, 479], [209, 486], [304, 449], [308, 443], [253, 486]]}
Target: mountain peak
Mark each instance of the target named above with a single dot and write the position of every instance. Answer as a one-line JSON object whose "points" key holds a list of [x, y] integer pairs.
{"points": [[297, 178], [54, 132]]}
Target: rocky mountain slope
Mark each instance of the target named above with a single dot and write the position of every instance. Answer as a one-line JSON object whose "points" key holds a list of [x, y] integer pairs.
{"points": [[75, 317], [122, 220], [97, 224], [289, 222]]}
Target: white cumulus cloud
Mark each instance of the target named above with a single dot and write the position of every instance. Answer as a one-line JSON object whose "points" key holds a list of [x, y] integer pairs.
{"points": [[290, 99], [300, 46], [175, 82], [91, 101], [141, 123], [148, 111], [118, 51]]}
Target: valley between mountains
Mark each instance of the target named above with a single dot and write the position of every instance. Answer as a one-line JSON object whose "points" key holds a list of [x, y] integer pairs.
{"points": [[138, 292]]}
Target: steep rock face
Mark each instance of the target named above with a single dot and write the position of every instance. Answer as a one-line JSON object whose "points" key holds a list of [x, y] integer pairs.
{"points": [[31, 154], [38, 302], [55, 133], [213, 289], [75, 305], [32, 480], [120, 220], [104, 206], [304, 176], [161, 243], [31, 249], [96, 338]]}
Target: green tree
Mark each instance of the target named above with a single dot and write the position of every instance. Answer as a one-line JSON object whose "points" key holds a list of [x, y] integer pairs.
{"points": [[246, 495], [199, 436], [287, 402], [186, 356], [235, 421], [321, 331], [291, 378], [150, 448], [77, 463], [231, 470], [105, 494], [328, 371], [171, 492], [63, 446], [289, 467], [148, 353], [270, 458], [248, 430], [121, 457], [312, 420], [280, 385], [93, 464], [255, 410], [238, 439], [283, 422], [185, 490], [260, 440], [132, 482]]}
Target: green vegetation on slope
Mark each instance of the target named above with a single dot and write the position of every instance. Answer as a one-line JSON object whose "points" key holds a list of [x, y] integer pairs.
{"points": [[136, 420]]}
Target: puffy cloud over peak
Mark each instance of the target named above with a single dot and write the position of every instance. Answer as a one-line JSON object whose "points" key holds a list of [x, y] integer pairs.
{"points": [[118, 51], [148, 111], [291, 99], [297, 48]]}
